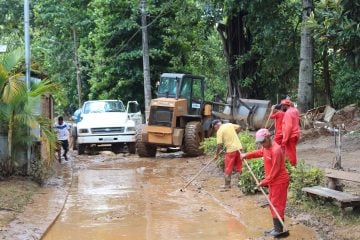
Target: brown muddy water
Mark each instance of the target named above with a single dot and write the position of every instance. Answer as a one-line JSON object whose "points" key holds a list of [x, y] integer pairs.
{"points": [[126, 197]]}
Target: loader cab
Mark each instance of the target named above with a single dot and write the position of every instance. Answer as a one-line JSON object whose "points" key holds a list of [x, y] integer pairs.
{"points": [[183, 86]]}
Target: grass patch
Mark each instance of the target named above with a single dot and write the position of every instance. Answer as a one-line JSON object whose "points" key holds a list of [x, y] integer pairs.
{"points": [[16, 193]]}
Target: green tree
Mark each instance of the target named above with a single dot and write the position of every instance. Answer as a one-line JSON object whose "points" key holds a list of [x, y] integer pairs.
{"points": [[16, 109], [335, 29], [260, 44], [54, 24]]}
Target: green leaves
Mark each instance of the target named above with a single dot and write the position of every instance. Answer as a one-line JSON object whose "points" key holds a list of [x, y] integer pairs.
{"points": [[17, 113]]}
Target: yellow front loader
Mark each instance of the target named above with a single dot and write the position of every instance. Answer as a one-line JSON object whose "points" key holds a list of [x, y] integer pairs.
{"points": [[180, 116]]}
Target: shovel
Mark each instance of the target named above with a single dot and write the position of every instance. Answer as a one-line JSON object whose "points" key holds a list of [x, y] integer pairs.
{"points": [[285, 232]]}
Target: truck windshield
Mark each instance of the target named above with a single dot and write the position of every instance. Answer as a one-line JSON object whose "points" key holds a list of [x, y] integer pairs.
{"points": [[104, 106], [168, 86]]}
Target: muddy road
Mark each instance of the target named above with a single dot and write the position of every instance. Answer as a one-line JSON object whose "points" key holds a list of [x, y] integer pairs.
{"points": [[126, 197]]}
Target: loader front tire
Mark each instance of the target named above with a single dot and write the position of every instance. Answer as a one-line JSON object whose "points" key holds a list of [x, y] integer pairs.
{"points": [[142, 148], [193, 136]]}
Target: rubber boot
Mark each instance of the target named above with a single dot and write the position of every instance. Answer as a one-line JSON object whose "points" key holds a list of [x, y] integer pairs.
{"points": [[237, 178], [278, 228], [227, 185]]}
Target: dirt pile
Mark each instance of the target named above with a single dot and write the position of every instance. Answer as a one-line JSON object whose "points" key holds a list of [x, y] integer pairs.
{"points": [[322, 121]]}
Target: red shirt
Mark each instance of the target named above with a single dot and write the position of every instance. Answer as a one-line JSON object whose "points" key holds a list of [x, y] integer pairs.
{"points": [[278, 116], [274, 164], [290, 124]]}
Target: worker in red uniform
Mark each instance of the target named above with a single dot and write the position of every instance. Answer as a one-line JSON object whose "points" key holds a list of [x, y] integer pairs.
{"points": [[278, 115], [226, 134], [290, 130], [276, 176]]}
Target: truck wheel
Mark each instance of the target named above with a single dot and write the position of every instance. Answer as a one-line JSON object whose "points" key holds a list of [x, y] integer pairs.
{"points": [[131, 147], [143, 149], [81, 149], [193, 136], [116, 148]]}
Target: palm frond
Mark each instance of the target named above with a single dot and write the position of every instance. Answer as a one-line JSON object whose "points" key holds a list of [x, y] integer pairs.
{"points": [[44, 86], [14, 88], [49, 137], [12, 59], [3, 77]]}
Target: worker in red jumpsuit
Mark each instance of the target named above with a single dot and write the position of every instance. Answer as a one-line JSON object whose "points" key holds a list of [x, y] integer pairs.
{"points": [[278, 115], [276, 176], [290, 130]]}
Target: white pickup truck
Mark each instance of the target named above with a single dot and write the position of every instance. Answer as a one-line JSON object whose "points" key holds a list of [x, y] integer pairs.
{"points": [[107, 123]]}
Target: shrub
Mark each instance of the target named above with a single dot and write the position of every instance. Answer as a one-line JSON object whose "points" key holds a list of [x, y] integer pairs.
{"points": [[303, 176], [247, 182], [209, 145], [39, 171]]}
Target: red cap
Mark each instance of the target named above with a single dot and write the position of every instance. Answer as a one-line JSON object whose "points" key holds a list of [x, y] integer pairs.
{"points": [[286, 102]]}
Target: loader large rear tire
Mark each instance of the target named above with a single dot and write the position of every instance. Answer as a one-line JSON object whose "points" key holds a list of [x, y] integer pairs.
{"points": [[193, 136], [142, 148]]}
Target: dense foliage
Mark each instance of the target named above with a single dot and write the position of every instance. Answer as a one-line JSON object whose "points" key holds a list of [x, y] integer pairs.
{"points": [[185, 36]]}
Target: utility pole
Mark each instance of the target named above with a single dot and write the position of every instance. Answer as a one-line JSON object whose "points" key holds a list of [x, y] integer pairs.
{"points": [[146, 64], [27, 67], [27, 43], [78, 69]]}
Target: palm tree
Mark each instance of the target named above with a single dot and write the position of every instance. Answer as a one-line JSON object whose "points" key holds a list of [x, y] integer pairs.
{"points": [[16, 113]]}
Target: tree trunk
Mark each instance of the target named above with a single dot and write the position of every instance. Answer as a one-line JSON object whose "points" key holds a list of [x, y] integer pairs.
{"points": [[236, 42], [8, 166], [326, 76], [146, 62], [306, 84]]}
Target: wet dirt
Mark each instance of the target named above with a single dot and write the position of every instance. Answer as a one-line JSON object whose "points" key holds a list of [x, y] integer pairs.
{"points": [[320, 152], [46, 204], [126, 197]]}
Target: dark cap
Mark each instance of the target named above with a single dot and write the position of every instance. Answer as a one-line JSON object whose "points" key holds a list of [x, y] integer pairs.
{"points": [[277, 106], [215, 122]]}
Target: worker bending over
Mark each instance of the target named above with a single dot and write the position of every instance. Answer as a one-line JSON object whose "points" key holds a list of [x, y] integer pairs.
{"points": [[226, 134]]}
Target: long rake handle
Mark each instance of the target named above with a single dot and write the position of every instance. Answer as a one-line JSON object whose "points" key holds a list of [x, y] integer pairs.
{"points": [[267, 121], [263, 192], [207, 164]]}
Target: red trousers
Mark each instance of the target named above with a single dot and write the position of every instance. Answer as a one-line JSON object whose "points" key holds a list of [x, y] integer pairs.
{"points": [[290, 150], [277, 196], [278, 139], [232, 160]]}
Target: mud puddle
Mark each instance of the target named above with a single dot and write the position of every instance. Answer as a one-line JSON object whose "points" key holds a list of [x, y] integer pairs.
{"points": [[131, 198]]}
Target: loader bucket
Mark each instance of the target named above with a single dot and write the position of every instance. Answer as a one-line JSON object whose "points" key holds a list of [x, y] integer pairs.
{"points": [[253, 111]]}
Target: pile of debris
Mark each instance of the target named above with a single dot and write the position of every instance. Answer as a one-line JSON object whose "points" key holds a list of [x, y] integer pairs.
{"points": [[322, 120]]}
